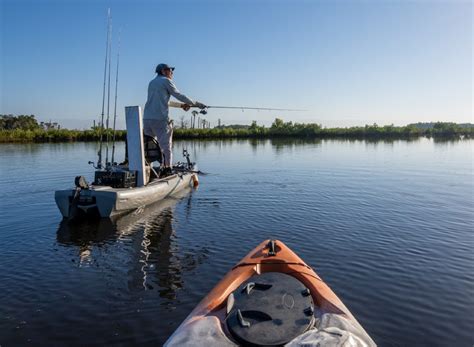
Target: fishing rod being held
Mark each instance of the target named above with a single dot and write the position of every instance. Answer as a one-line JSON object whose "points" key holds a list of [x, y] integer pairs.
{"points": [[255, 108], [206, 107]]}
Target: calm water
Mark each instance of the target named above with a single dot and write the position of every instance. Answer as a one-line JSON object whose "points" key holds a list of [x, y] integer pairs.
{"points": [[388, 225]]}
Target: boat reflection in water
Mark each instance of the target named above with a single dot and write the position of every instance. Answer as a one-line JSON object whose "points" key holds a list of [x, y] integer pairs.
{"points": [[141, 244]]}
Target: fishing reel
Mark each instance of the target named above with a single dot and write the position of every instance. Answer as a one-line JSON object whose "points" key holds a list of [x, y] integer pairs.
{"points": [[188, 161], [97, 167], [188, 166], [203, 111]]}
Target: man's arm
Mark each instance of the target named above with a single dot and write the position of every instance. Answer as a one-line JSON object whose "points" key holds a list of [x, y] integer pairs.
{"points": [[185, 107], [177, 94], [175, 104]]}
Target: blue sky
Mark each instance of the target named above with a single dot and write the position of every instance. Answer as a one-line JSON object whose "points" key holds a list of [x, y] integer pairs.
{"points": [[346, 62]]}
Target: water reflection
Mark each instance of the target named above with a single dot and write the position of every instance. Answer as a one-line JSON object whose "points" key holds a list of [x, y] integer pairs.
{"points": [[86, 235], [281, 145], [153, 257], [448, 140]]}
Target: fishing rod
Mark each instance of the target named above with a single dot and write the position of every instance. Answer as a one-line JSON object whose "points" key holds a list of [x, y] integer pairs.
{"points": [[108, 99], [99, 161], [254, 108], [204, 110], [115, 106]]}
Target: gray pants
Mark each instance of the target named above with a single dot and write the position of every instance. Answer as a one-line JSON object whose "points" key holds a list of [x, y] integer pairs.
{"points": [[162, 131]]}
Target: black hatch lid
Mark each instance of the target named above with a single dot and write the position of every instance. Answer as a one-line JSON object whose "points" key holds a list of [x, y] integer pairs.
{"points": [[270, 310]]}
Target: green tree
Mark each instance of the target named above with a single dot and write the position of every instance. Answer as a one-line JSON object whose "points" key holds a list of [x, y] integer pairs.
{"points": [[10, 122]]}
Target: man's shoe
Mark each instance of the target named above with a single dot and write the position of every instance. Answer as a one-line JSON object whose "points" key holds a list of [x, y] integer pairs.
{"points": [[166, 172]]}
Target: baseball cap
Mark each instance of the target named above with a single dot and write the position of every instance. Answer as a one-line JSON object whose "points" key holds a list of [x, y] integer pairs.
{"points": [[163, 66]]}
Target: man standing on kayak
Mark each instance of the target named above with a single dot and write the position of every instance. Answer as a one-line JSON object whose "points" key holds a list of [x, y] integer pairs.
{"points": [[156, 121]]}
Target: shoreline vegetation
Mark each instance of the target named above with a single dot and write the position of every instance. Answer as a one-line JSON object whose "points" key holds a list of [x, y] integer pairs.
{"points": [[26, 129]]}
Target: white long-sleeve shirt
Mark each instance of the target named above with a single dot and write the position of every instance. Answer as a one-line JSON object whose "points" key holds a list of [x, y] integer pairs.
{"points": [[160, 90]]}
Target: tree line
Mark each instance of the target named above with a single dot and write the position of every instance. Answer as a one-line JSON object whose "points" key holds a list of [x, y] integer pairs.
{"points": [[26, 129], [280, 128]]}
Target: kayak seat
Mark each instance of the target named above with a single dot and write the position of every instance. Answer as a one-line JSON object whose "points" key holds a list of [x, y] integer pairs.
{"points": [[152, 149]]}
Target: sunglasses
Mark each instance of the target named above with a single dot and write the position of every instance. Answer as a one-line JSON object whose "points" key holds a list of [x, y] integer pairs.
{"points": [[169, 69]]}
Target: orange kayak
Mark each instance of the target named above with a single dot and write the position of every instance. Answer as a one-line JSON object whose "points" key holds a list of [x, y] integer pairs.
{"points": [[270, 298]]}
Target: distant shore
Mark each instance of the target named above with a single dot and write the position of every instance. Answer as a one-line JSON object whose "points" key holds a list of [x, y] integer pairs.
{"points": [[25, 128], [303, 131]]}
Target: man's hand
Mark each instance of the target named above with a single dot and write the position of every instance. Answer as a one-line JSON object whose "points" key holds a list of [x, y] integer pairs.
{"points": [[185, 107], [200, 105]]}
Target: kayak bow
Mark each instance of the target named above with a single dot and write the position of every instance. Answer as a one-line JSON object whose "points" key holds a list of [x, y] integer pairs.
{"points": [[270, 298]]}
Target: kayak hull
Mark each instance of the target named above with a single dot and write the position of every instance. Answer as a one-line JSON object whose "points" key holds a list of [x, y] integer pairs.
{"points": [[107, 202]]}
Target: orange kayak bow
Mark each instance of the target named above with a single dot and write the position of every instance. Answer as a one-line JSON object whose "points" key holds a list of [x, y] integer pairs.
{"points": [[270, 298]]}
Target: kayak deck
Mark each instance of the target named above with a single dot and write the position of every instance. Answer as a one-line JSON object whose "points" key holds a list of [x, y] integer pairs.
{"points": [[224, 318]]}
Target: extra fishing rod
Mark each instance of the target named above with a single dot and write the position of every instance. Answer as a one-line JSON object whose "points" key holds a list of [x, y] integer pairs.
{"points": [[108, 99], [115, 105], [99, 161]]}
